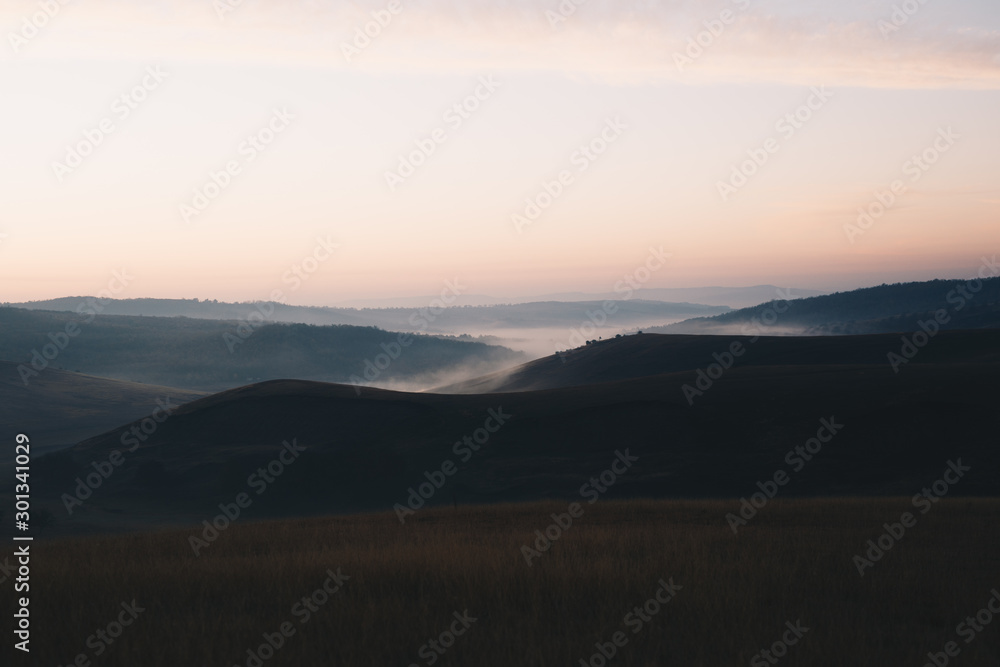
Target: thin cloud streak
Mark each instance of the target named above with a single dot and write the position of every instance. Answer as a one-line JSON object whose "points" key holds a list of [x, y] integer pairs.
{"points": [[607, 42]]}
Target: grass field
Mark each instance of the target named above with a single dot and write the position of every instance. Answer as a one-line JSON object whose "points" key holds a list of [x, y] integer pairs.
{"points": [[792, 563]]}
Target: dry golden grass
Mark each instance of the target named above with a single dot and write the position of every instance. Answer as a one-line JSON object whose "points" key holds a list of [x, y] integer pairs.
{"points": [[792, 562]]}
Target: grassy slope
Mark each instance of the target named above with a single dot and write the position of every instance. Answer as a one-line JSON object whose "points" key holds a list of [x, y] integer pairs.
{"points": [[60, 408], [652, 354], [365, 451], [883, 308], [794, 561]]}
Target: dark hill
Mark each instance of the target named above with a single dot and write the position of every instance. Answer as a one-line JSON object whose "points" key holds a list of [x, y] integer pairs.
{"points": [[59, 408], [654, 354], [365, 452], [881, 309], [212, 355]]}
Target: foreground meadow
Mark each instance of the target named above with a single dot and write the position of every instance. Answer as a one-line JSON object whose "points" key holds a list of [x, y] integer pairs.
{"points": [[786, 583]]}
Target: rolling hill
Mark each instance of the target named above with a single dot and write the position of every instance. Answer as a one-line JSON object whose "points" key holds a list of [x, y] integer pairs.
{"points": [[731, 297], [894, 434], [432, 315], [881, 309], [59, 408], [642, 355], [212, 355]]}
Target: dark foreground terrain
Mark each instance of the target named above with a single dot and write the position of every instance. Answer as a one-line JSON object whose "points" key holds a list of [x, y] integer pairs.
{"points": [[405, 586]]}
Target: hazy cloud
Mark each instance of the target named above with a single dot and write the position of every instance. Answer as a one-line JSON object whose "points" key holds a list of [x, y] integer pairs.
{"points": [[620, 42]]}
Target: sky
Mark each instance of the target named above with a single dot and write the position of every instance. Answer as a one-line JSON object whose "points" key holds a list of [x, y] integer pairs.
{"points": [[243, 150]]}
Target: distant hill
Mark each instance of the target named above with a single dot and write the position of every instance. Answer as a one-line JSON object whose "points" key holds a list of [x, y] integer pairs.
{"points": [[212, 355], [59, 408], [886, 308], [733, 297], [428, 316], [363, 452]]}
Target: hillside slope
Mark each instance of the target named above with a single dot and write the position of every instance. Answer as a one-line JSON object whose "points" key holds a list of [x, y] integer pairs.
{"points": [[59, 408], [894, 434], [881, 309], [212, 355], [653, 354]]}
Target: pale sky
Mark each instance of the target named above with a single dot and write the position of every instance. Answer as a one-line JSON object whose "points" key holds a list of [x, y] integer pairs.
{"points": [[673, 131]]}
